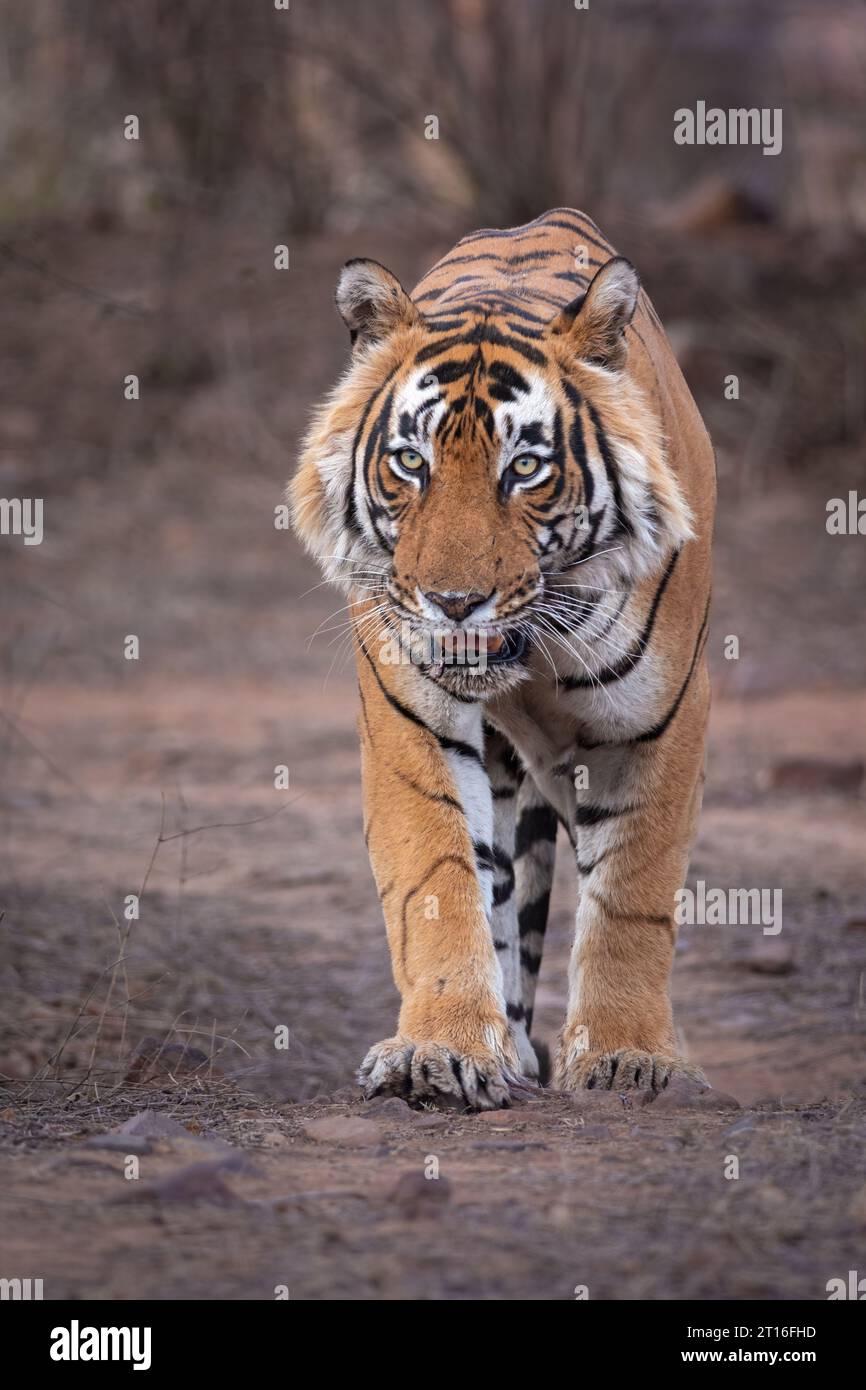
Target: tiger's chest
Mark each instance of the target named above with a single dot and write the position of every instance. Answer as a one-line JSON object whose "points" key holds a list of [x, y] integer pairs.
{"points": [[571, 737]]}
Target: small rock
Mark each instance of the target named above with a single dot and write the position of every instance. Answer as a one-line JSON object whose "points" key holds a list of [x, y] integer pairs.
{"points": [[718, 1100], [683, 1093], [153, 1124], [432, 1119], [595, 1102], [197, 1182], [155, 1061], [417, 1196], [593, 1132], [344, 1129], [679, 1090], [503, 1118]]}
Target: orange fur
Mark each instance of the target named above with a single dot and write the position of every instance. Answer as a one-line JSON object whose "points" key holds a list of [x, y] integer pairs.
{"points": [[559, 358]]}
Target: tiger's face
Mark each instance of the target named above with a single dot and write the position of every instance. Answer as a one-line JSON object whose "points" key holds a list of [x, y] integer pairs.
{"points": [[464, 492], [461, 473]]}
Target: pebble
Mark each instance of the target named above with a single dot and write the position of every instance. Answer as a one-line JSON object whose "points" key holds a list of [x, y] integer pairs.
{"points": [[344, 1129]]}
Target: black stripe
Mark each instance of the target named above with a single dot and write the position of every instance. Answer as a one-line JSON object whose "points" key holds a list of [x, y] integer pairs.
{"points": [[451, 259], [518, 311], [456, 745], [521, 329], [586, 866], [658, 729], [484, 855], [577, 443], [623, 525], [627, 663], [441, 797], [496, 233], [438, 324], [447, 744], [433, 349], [585, 816], [350, 517], [445, 859], [614, 618], [657, 920], [502, 892], [508, 377], [537, 824], [530, 354], [532, 916], [571, 227], [521, 257], [443, 289], [530, 960], [550, 218]]}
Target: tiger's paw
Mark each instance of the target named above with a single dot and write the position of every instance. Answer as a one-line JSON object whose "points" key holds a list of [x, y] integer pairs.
{"points": [[628, 1069], [429, 1071]]}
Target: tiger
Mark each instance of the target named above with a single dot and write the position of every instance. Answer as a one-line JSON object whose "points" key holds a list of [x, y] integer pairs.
{"points": [[513, 488]]}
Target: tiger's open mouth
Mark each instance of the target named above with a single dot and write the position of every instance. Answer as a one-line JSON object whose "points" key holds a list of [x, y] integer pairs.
{"points": [[474, 647]]}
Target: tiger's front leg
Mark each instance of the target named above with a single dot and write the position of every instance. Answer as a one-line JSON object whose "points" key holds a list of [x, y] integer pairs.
{"points": [[634, 826], [429, 830]]}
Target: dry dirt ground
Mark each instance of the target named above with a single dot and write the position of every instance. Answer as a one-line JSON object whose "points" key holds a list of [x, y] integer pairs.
{"points": [[258, 1166]]}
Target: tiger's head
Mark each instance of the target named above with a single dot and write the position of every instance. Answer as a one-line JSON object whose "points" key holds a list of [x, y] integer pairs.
{"points": [[464, 467]]}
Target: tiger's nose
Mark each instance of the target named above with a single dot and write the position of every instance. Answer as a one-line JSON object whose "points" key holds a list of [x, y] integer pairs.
{"points": [[454, 605]]}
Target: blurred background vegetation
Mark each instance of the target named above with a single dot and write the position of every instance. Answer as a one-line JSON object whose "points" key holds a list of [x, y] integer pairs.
{"points": [[309, 126], [315, 115]]}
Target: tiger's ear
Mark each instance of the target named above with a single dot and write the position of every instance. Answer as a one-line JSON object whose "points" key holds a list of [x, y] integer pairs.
{"points": [[372, 302], [595, 324]]}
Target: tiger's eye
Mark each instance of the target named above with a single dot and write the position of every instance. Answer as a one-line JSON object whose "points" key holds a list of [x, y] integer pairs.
{"points": [[411, 460], [526, 465]]}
